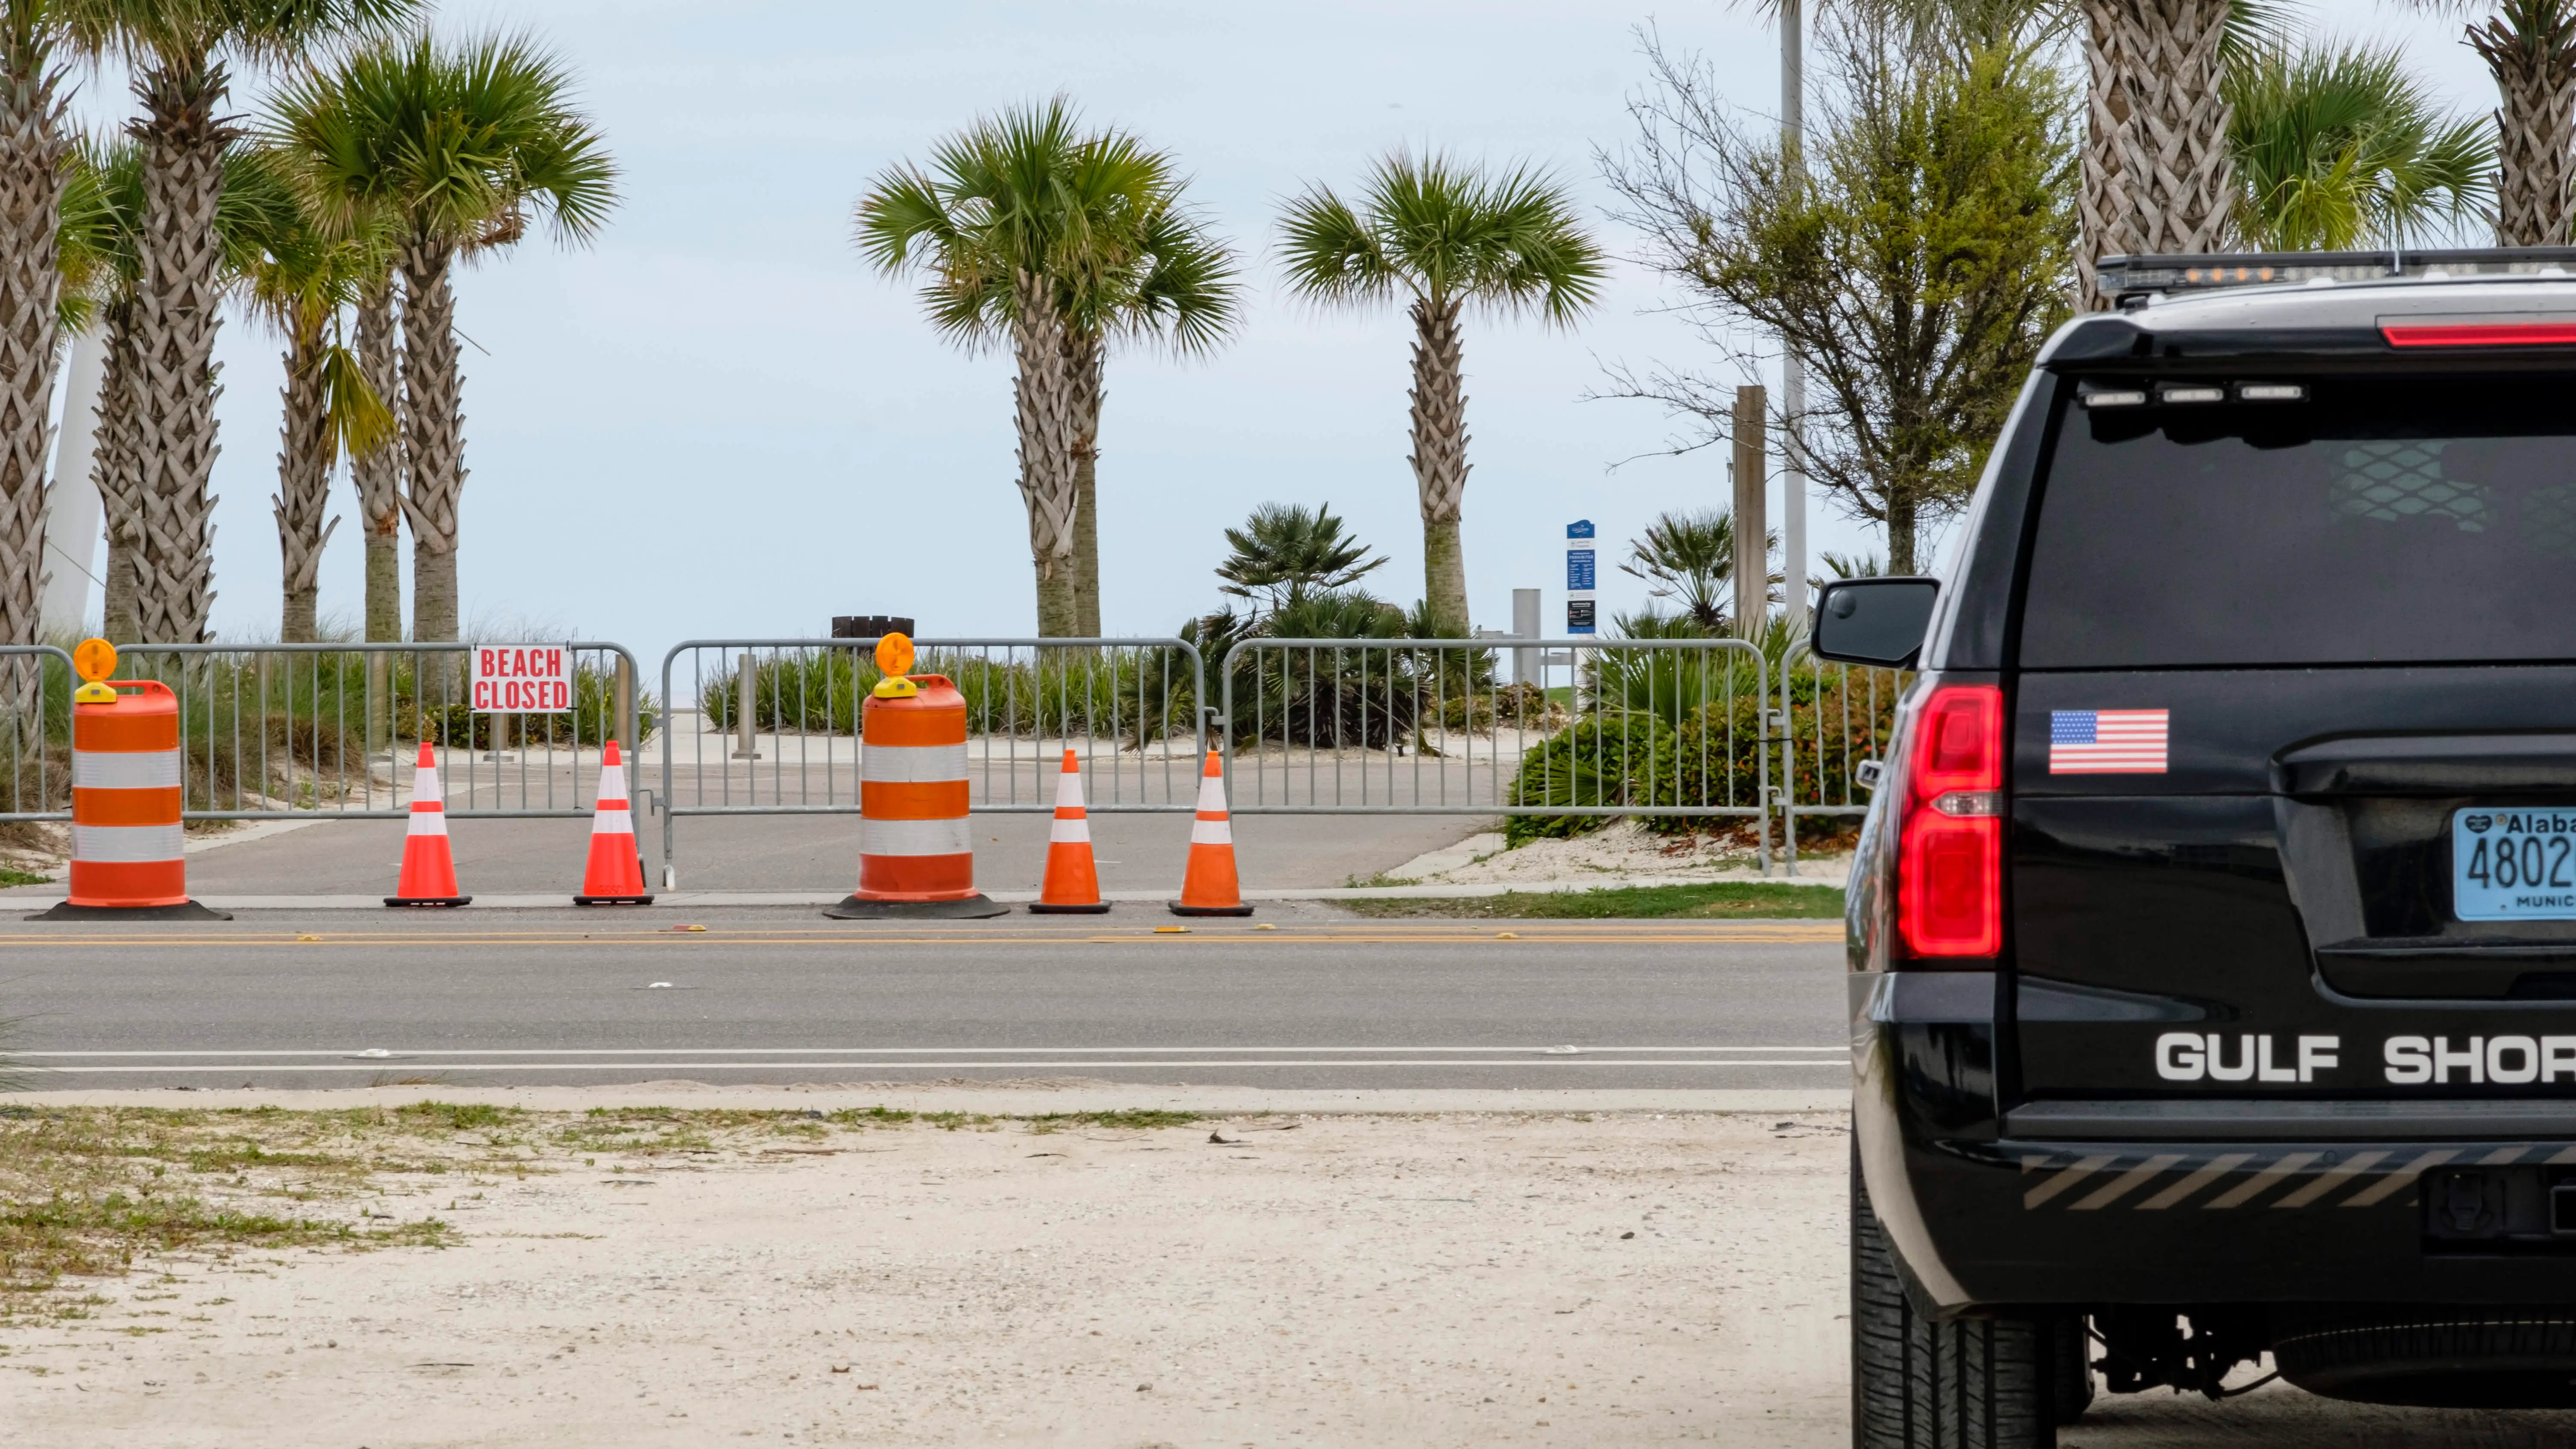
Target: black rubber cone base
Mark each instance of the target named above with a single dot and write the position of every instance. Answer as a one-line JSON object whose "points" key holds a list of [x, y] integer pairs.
{"points": [[612, 900], [1096, 908], [972, 908], [1181, 910], [184, 911], [429, 901]]}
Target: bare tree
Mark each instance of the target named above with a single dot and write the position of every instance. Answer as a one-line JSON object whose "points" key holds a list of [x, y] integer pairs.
{"points": [[1916, 264]]}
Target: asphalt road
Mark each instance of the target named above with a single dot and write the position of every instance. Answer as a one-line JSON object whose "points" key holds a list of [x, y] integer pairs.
{"points": [[280, 999]]}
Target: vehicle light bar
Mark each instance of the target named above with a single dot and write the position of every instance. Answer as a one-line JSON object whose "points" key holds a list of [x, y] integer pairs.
{"points": [[2495, 332], [2128, 277], [2114, 397], [2188, 394]]}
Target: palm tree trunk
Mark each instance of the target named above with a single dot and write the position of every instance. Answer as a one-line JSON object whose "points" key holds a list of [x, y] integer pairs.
{"points": [[1086, 361], [119, 474], [177, 308], [2157, 172], [1440, 459], [2530, 45], [303, 490], [32, 176], [433, 437], [378, 475], [1043, 397]]}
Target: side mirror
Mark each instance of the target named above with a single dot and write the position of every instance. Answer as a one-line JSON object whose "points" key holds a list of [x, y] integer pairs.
{"points": [[1878, 622]]}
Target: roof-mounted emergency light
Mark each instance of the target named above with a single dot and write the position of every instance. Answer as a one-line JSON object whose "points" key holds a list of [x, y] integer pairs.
{"points": [[2134, 277]]}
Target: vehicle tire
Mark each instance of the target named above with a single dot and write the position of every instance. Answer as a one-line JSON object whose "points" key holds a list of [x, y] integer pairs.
{"points": [[2484, 1357], [1978, 1383], [2070, 1387]]}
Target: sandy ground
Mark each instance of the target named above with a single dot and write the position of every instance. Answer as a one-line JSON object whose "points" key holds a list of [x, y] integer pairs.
{"points": [[1463, 1279], [1343, 1268], [1620, 853]]}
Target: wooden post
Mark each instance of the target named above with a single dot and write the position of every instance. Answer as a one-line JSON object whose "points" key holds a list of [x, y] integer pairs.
{"points": [[1752, 556]]}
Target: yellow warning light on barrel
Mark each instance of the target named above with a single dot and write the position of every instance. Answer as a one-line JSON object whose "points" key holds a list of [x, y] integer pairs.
{"points": [[894, 660], [96, 660]]}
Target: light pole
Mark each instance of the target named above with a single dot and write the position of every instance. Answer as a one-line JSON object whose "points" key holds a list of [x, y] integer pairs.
{"points": [[1793, 371]]}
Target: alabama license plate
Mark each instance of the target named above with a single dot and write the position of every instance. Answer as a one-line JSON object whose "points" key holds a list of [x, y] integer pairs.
{"points": [[2513, 865]]}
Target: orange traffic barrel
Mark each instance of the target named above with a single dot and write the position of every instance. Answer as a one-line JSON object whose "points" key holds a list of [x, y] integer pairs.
{"points": [[916, 851], [129, 857]]}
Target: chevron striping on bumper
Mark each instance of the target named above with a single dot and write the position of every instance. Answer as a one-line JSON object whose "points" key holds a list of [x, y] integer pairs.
{"points": [[2120, 1187], [2064, 1180], [2218, 1167], [2405, 1176], [2332, 1178], [2255, 1186]]}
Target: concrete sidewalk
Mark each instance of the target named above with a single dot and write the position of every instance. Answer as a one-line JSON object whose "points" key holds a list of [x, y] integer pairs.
{"points": [[797, 857]]}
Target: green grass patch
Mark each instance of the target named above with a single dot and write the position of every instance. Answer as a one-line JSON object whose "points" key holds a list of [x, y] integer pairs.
{"points": [[1142, 1119], [10, 877], [1729, 900]]}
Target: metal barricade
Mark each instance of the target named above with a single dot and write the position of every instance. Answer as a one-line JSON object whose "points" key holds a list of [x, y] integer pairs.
{"points": [[1835, 716], [36, 682], [291, 731], [1675, 728], [1131, 709]]}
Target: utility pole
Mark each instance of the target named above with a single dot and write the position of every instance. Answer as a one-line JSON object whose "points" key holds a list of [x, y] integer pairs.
{"points": [[1752, 560], [1793, 370]]}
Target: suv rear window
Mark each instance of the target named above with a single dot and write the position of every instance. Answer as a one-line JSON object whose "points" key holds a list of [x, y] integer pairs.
{"points": [[2381, 521]]}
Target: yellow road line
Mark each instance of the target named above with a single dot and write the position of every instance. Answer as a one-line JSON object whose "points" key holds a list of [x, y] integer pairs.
{"points": [[871, 939]]}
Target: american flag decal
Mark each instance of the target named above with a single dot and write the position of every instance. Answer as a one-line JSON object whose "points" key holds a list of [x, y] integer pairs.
{"points": [[2106, 741]]}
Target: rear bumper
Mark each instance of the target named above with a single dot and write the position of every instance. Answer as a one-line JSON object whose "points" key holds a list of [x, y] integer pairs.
{"points": [[2015, 1222], [2184, 1203]]}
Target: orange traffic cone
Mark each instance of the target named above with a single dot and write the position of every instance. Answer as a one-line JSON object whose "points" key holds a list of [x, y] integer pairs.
{"points": [[616, 873], [428, 866], [1209, 888], [1072, 885]]}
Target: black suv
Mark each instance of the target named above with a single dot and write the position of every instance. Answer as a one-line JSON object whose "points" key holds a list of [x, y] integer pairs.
{"points": [[2213, 931]]}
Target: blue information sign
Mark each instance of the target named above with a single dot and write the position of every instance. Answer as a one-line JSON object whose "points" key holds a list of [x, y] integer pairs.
{"points": [[1580, 577]]}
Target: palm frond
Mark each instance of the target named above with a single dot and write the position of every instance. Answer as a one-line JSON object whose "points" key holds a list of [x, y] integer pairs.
{"points": [[1095, 219], [464, 141], [2338, 146], [1511, 241]]}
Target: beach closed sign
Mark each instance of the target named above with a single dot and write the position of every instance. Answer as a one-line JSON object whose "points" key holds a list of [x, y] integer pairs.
{"points": [[522, 679]]}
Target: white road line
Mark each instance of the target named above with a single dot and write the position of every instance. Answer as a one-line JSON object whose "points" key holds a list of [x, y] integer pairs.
{"points": [[1836, 1051], [985, 1064]]}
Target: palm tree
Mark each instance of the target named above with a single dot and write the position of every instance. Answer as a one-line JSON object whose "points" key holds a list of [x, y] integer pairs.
{"points": [[1179, 288], [464, 144], [1445, 235], [299, 278], [376, 474], [1285, 551], [109, 171], [1689, 558], [2337, 147], [2530, 48], [180, 52], [1027, 228], [34, 152]]}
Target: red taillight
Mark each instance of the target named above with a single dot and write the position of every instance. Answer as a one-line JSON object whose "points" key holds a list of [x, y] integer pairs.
{"points": [[2482, 334], [1950, 866]]}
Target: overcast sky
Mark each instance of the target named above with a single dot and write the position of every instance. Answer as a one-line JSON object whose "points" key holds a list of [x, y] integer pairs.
{"points": [[717, 423]]}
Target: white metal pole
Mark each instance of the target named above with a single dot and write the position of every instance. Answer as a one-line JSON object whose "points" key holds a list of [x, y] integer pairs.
{"points": [[1793, 371], [73, 513]]}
